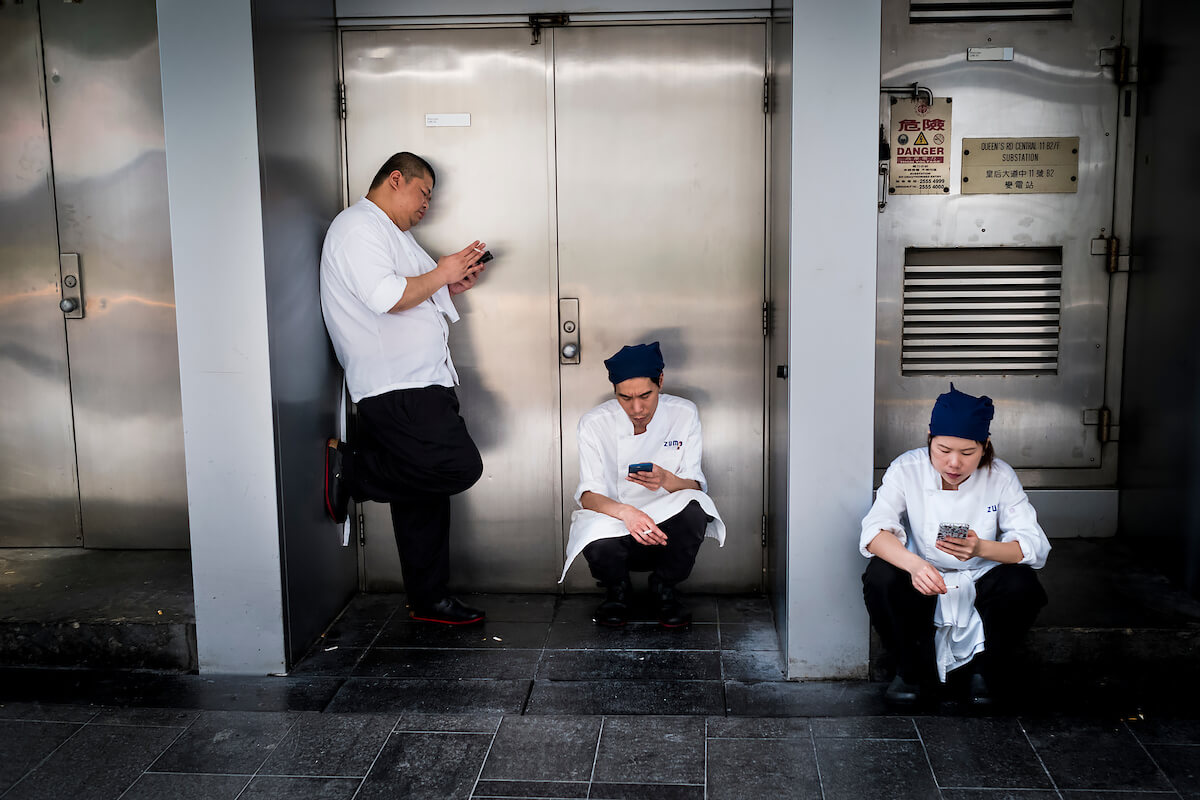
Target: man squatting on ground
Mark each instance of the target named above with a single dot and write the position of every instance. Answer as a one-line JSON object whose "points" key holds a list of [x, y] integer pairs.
{"points": [[387, 307], [641, 490]]}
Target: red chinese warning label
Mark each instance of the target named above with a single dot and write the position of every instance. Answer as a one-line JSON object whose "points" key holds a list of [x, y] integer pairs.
{"points": [[920, 156]]}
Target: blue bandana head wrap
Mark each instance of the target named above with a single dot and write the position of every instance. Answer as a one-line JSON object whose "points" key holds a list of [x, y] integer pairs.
{"points": [[958, 414], [635, 361]]}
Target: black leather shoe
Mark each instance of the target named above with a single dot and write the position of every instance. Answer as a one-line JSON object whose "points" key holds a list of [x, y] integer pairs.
{"points": [[902, 693], [671, 612], [614, 611], [978, 691], [447, 611], [337, 496]]}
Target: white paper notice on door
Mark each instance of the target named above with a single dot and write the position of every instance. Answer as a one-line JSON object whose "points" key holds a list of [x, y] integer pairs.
{"points": [[447, 120]]}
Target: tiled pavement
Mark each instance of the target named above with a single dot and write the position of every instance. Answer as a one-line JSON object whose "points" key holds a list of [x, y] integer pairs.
{"points": [[540, 704]]}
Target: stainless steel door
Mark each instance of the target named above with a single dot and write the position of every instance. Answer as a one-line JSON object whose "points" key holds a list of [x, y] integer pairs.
{"points": [[660, 141], [493, 184], [105, 100], [650, 140], [39, 495], [1054, 86]]}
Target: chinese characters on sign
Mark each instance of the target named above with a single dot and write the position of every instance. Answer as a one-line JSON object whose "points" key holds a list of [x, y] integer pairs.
{"points": [[1020, 166], [920, 144]]}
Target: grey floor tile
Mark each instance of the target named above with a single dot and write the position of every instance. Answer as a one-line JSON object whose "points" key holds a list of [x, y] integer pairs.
{"points": [[747, 769], [1181, 763], [651, 750], [427, 695], [489, 634], [1084, 754], [864, 728], [645, 791], [332, 745], [329, 660], [752, 665], [277, 788], [1003, 794], [543, 749], [231, 742], [753, 728], [1116, 795], [179, 786], [426, 766], [809, 699], [744, 608], [97, 763], [864, 769], [527, 790], [579, 608], [376, 606], [23, 745], [352, 632], [148, 717], [970, 752], [440, 663], [514, 607], [1166, 731], [626, 697], [567, 636], [749, 636], [415, 722], [46, 712], [582, 665]]}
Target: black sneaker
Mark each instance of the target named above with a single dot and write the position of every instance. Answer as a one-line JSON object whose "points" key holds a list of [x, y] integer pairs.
{"points": [[447, 611], [671, 612], [337, 496], [614, 611], [902, 693]]}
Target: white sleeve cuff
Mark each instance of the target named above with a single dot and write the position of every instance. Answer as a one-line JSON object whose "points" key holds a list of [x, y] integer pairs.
{"points": [[387, 294]]}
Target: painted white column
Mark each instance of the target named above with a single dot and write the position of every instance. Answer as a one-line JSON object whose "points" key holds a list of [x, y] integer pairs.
{"points": [[217, 247], [835, 141]]}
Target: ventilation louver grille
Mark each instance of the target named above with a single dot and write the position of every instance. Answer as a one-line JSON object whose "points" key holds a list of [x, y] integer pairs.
{"points": [[921, 11], [981, 310]]}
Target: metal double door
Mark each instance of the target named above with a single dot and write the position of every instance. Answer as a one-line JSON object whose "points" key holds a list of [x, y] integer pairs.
{"points": [[91, 434], [617, 173]]}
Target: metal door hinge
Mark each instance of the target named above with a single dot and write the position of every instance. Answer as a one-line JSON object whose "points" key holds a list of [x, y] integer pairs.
{"points": [[766, 319], [1117, 58], [767, 95], [1110, 248], [342, 100], [539, 21], [1101, 417], [764, 531]]}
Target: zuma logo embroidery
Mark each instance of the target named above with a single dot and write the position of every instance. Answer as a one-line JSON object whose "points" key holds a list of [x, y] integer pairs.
{"points": [[993, 509], [673, 443]]}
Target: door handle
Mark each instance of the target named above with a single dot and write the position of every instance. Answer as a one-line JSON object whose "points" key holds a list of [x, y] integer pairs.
{"points": [[568, 330], [71, 285]]}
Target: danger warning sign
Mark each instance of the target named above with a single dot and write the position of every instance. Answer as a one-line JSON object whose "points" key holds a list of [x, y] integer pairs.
{"points": [[920, 140]]}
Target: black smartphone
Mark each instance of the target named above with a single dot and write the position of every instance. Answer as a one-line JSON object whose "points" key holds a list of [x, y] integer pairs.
{"points": [[486, 257], [644, 466]]}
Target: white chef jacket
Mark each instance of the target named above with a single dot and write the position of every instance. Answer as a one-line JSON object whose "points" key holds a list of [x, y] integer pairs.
{"points": [[365, 263], [911, 504], [607, 446]]}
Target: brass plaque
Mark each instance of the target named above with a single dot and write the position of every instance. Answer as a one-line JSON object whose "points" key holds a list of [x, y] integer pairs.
{"points": [[920, 143], [1020, 166]]}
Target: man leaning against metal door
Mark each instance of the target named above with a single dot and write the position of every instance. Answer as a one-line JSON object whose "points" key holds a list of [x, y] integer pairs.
{"points": [[387, 306]]}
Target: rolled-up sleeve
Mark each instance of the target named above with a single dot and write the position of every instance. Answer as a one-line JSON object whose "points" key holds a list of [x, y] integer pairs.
{"points": [[593, 466], [1018, 523], [371, 272], [886, 511]]}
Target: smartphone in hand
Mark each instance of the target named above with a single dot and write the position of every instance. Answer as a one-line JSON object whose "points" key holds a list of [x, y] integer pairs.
{"points": [[644, 466], [952, 530]]}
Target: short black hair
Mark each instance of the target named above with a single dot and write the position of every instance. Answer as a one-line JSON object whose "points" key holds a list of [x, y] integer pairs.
{"points": [[409, 165]]}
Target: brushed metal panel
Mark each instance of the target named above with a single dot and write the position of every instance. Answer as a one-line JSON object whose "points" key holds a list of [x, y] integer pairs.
{"points": [[660, 141], [105, 101], [1055, 86], [493, 183], [39, 496]]}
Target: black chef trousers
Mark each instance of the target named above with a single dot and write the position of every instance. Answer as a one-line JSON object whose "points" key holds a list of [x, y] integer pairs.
{"points": [[412, 450], [611, 560], [1008, 598]]}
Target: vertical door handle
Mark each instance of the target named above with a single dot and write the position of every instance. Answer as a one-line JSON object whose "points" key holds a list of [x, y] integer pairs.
{"points": [[568, 330], [71, 285]]}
